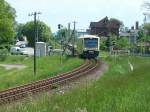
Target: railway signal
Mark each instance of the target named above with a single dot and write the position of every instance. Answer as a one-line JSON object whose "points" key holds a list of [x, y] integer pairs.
{"points": [[60, 26], [146, 16]]}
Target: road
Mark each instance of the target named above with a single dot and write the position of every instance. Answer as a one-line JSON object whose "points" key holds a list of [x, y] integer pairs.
{"points": [[12, 66]]}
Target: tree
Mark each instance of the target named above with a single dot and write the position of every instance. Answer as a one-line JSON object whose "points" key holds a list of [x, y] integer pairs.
{"points": [[117, 21], [19, 29], [147, 28], [7, 21], [144, 36], [103, 43], [146, 5], [144, 33], [43, 31], [118, 43], [111, 41], [123, 43], [62, 34]]}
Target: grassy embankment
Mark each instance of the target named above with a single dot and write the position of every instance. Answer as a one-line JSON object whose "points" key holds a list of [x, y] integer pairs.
{"points": [[118, 90], [46, 67]]}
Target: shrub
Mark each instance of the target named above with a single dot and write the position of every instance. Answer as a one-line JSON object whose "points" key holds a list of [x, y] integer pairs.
{"points": [[3, 54]]}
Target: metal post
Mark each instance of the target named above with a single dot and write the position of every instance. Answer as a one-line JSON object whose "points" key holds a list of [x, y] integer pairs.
{"points": [[61, 52], [35, 37], [68, 31], [37, 31], [73, 52]]}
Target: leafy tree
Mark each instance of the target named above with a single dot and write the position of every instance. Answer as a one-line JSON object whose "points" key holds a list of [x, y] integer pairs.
{"points": [[7, 21], [62, 34], [65, 34], [123, 43], [111, 41], [146, 5], [118, 43], [146, 27], [19, 29], [144, 36], [43, 31], [117, 21], [103, 44]]}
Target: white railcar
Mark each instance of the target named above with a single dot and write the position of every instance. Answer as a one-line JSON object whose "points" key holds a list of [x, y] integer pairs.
{"points": [[90, 46]]}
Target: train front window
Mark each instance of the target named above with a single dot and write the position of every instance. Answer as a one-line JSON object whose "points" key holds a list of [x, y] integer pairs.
{"points": [[90, 43]]}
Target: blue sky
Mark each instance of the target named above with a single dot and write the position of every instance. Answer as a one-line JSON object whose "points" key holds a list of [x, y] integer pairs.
{"points": [[82, 11]]}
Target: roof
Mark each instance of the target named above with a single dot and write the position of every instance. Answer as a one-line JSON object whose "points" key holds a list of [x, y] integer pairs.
{"points": [[124, 34], [21, 42], [105, 22], [101, 23], [88, 36]]}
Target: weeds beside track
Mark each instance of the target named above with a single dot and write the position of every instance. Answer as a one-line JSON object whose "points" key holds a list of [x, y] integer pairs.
{"points": [[20, 92]]}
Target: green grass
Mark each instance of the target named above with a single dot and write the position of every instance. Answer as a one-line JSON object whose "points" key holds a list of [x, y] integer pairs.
{"points": [[104, 54], [118, 90], [46, 67], [55, 44]]}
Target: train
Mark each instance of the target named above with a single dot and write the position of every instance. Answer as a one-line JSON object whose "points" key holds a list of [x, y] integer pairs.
{"points": [[89, 46]]}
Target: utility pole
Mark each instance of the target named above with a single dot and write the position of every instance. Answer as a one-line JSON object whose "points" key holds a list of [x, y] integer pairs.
{"points": [[38, 29], [74, 28], [35, 37], [68, 31], [146, 17]]}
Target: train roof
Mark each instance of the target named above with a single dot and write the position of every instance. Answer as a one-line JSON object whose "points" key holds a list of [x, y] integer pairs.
{"points": [[88, 36]]}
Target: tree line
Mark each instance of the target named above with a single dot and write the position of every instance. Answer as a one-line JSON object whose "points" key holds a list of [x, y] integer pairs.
{"points": [[10, 29], [7, 23], [43, 31]]}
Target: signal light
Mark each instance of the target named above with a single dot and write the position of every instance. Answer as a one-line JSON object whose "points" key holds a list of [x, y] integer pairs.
{"points": [[59, 26]]}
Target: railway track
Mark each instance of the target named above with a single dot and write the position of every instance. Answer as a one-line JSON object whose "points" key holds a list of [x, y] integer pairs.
{"points": [[20, 92]]}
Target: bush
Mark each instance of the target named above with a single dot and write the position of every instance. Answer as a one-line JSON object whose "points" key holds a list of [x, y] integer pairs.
{"points": [[3, 54]]}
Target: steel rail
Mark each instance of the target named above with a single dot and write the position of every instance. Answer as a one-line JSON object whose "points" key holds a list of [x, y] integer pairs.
{"points": [[20, 92]]}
